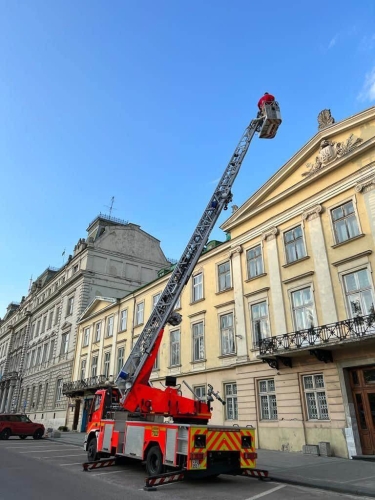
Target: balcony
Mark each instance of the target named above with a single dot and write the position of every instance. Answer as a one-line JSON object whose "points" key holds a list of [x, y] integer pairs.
{"points": [[87, 385], [319, 340]]}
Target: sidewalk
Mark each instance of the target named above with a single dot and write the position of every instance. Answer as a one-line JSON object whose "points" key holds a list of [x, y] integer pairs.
{"points": [[355, 477]]}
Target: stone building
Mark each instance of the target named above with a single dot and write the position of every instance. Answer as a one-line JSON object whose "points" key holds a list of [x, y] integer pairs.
{"points": [[39, 334], [280, 317]]}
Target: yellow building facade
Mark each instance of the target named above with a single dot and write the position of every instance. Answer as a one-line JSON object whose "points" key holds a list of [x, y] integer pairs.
{"points": [[280, 318]]}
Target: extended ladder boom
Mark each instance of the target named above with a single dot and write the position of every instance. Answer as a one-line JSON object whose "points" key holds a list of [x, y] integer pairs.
{"points": [[163, 310]]}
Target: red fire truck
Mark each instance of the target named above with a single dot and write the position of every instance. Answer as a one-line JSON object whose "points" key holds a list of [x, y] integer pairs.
{"points": [[162, 427]]}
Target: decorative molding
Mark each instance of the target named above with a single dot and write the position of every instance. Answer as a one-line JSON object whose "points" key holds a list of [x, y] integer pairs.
{"points": [[197, 313], [225, 304], [300, 276], [325, 119], [236, 250], [312, 213], [255, 292], [366, 184], [352, 257], [330, 151], [270, 234]]}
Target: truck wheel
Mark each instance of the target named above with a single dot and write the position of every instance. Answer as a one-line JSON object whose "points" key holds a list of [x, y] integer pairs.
{"points": [[154, 461], [5, 434], [92, 454], [38, 434]]}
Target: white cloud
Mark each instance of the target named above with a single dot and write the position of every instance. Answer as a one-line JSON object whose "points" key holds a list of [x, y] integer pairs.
{"points": [[368, 90], [333, 42]]}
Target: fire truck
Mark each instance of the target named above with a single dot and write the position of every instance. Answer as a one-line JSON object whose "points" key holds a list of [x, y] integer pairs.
{"points": [[161, 427]]}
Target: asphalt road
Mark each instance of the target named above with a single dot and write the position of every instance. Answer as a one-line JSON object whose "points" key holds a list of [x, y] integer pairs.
{"points": [[38, 470]]}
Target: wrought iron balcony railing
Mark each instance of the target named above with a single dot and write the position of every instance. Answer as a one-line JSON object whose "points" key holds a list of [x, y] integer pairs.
{"points": [[87, 383], [348, 330]]}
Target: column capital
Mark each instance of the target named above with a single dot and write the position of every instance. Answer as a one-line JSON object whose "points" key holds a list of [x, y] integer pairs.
{"points": [[312, 212], [270, 234], [365, 184], [235, 251]]}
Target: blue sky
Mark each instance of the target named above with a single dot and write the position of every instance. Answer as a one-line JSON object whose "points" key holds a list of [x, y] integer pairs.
{"points": [[145, 100]]}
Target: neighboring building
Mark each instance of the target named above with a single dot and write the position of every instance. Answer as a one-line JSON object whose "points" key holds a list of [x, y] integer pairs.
{"points": [[280, 318], [40, 333]]}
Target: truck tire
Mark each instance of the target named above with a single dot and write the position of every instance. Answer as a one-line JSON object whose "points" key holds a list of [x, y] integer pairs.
{"points": [[154, 461], [92, 454]]}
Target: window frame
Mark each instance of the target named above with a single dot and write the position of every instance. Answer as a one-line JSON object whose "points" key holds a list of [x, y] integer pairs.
{"points": [[269, 394], [231, 400], [175, 358], [139, 313], [255, 260], [59, 388], [123, 323], [314, 390], [201, 341], [231, 333], [110, 325], [98, 331], [335, 233], [120, 365], [264, 322], [360, 291], [295, 244], [197, 287], [106, 364], [86, 336], [225, 274], [293, 291]]}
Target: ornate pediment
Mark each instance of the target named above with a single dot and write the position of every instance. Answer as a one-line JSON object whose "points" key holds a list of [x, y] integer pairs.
{"points": [[330, 151], [66, 325]]}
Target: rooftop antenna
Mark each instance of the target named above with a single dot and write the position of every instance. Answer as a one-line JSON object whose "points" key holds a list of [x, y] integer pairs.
{"points": [[111, 206]]}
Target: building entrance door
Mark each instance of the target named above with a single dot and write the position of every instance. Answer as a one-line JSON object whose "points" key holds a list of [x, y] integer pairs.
{"points": [[362, 381]]}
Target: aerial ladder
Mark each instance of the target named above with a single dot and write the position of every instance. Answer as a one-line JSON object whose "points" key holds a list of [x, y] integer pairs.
{"points": [[162, 427]]}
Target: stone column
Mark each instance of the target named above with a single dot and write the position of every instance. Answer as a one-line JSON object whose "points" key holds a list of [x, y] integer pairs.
{"points": [[276, 291], [239, 310], [321, 265]]}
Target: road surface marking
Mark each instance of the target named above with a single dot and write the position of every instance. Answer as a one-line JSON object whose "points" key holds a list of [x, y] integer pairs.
{"points": [[61, 456], [75, 463], [45, 451], [268, 492], [100, 473]]}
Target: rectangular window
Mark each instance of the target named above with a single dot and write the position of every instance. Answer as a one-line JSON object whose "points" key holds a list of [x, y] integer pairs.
{"points": [[56, 316], [260, 322], [294, 244], [303, 309], [94, 366], [44, 355], [315, 395], [254, 260], [32, 403], [59, 387], [120, 358], [51, 349], [200, 392], [110, 326], [45, 395], [175, 348], [198, 342], [156, 364], [344, 222], [38, 356], [228, 345], [139, 313], [107, 360], [155, 299], [44, 324], [64, 343], [231, 399], [33, 356], [224, 276], [123, 320], [98, 328], [359, 294], [197, 287], [83, 369], [38, 328], [86, 336], [69, 309], [50, 319], [32, 331], [178, 303], [267, 399], [38, 397]]}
